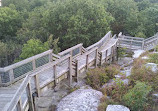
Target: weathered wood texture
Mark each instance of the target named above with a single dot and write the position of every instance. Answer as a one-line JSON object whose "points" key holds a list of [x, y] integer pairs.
{"points": [[67, 64]]}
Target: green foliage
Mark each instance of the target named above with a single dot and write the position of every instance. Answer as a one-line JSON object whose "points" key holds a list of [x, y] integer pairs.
{"points": [[156, 48], [102, 106], [10, 21], [153, 58], [53, 44], [81, 21], [112, 70], [116, 90], [121, 52], [33, 47], [97, 77], [72, 22], [136, 97]]}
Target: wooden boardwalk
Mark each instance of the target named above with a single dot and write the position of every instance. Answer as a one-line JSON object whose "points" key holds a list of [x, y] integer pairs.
{"points": [[70, 63], [37, 74]]}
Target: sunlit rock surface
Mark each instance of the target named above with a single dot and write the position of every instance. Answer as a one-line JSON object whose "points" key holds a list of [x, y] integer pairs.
{"points": [[137, 53], [80, 100], [117, 108], [153, 66]]}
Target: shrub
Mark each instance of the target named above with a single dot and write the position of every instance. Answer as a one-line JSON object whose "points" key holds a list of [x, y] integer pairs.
{"points": [[102, 106], [136, 98], [121, 52], [117, 90], [153, 58], [156, 48], [112, 70], [97, 77], [143, 74]]}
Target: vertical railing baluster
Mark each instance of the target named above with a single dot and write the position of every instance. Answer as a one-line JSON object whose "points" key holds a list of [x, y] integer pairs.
{"points": [[87, 57], [55, 75], [96, 58], [77, 70], [30, 99], [70, 71]]}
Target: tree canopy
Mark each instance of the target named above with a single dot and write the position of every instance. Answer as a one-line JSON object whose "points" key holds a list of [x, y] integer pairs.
{"points": [[71, 22]]}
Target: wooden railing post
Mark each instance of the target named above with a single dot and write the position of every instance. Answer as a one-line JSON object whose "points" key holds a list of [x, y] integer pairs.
{"points": [[55, 75], [143, 45], [101, 55], [11, 75], [111, 55], [50, 57], [96, 58], [37, 85], [70, 70], [34, 64], [106, 56], [87, 57], [131, 45], [30, 99], [77, 70]]}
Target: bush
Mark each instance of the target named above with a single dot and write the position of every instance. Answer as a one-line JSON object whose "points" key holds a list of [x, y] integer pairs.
{"points": [[153, 58], [143, 74], [97, 77], [117, 90], [136, 98], [112, 70], [102, 106]]}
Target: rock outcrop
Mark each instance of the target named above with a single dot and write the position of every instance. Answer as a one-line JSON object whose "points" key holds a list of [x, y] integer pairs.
{"points": [[80, 100]]}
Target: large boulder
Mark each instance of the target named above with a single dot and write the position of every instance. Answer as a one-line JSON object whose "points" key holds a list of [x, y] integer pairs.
{"points": [[80, 100], [117, 108]]}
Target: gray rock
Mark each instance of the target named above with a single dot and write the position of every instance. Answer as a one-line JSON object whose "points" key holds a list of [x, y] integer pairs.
{"points": [[80, 100], [137, 53], [117, 108], [155, 97], [153, 66]]}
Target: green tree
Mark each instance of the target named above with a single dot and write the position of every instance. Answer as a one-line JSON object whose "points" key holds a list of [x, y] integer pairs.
{"points": [[10, 22], [148, 19], [33, 47], [53, 44], [81, 21], [33, 27], [125, 14]]}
